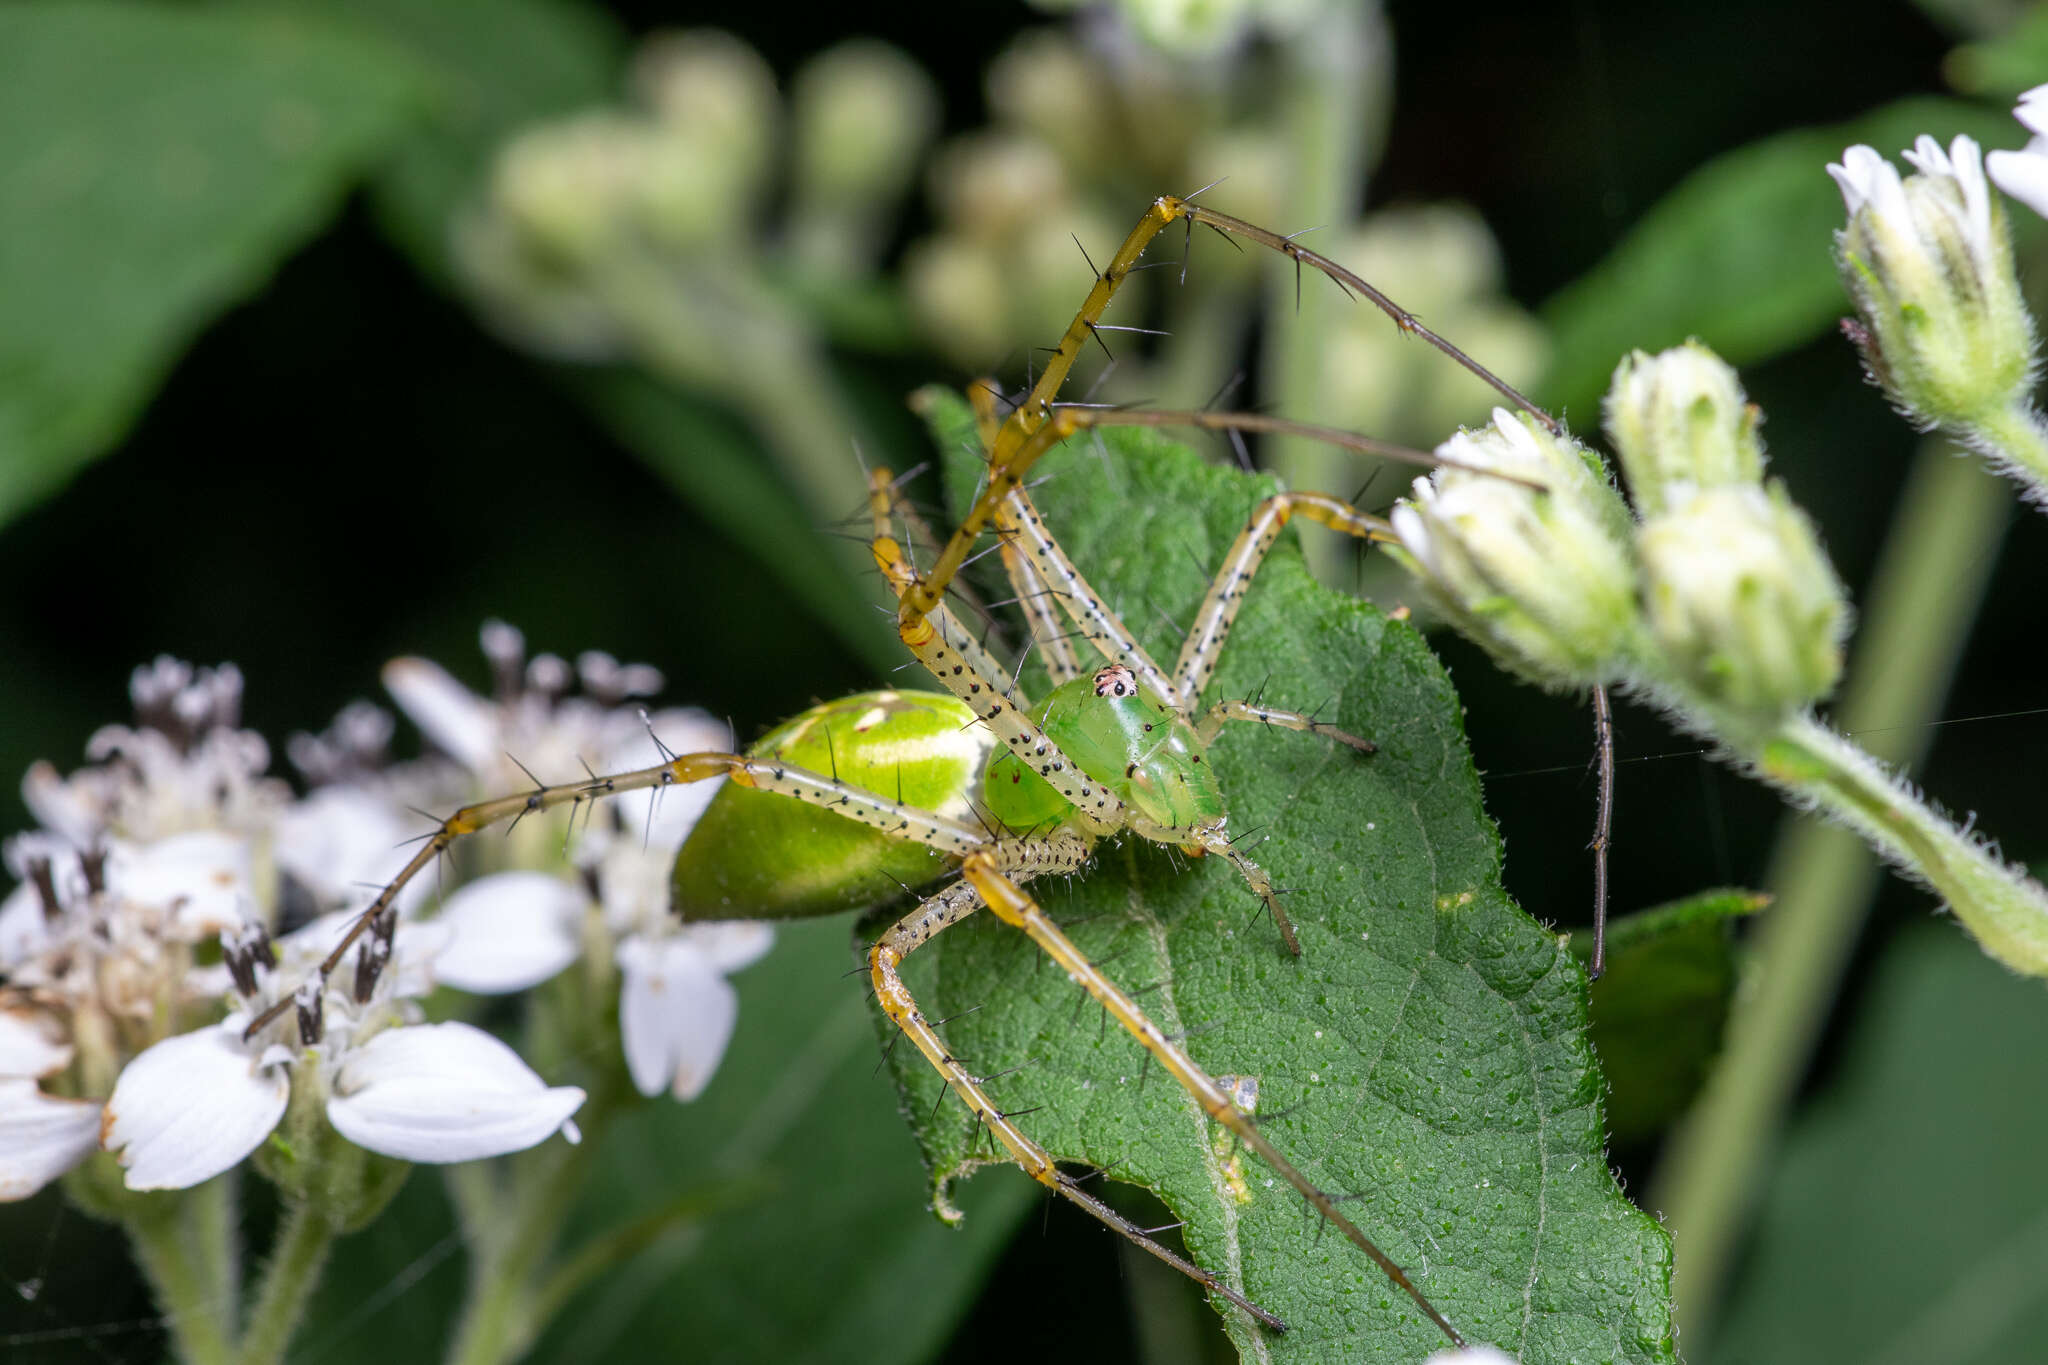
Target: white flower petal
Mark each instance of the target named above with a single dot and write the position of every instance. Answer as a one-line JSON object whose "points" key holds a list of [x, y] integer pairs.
{"points": [[2023, 174], [460, 722], [191, 1107], [57, 806], [676, 1014], [2033, 110], [1479, 1354], [204, 875], [342, 841], [509, 931], [731, 944], [23, 930], [28, 1045], [442, 1093], [41, 1137]]}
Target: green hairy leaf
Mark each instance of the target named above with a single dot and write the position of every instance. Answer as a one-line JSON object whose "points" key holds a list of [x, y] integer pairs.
{"points": [[196, 148], [1427, 1055]]}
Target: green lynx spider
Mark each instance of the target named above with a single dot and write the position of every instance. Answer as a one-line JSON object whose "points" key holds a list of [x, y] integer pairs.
{"points": [[1092, 783]]}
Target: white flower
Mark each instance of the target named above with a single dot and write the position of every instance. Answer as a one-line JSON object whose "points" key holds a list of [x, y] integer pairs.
{"points": [[195, 1105], [182, 766], [1471, 1355], [530, 719], [1532, 562], [516, 929], [1929, 263], [2024, 174], [41, 1136]]}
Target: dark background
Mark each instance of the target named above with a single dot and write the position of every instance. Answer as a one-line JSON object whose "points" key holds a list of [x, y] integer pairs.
{"points": [[347, 468]]}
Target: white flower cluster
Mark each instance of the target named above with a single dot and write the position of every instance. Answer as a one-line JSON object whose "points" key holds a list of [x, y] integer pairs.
{"points": [[175, 892]]}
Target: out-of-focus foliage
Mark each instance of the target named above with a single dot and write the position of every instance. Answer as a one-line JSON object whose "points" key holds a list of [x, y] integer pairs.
{"points": [[1907, 1219], [155, 165], [1659, 1008], [1710, 260], [159, 162]]}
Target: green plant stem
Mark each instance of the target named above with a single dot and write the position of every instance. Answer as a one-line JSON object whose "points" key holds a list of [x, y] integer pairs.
{"points": [[179, 1238], [503, 1313], [2017, 446], [1921, 605], [304, 1238]]}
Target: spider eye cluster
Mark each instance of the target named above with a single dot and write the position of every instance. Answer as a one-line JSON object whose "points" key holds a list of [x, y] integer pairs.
{"points": [[1116, 681]]}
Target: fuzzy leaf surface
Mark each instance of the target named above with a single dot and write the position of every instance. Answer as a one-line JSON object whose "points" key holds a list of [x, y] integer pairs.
{"points": [[1426, 1057]]}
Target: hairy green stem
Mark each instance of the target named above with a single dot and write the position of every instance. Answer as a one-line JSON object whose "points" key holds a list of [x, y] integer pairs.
{"points": [[2017, 445], [304, 1238], [2006, 910], [1919, 612], [178, 1237]]}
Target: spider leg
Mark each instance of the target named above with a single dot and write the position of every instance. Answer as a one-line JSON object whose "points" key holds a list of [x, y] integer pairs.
{"points": [[932, 916], [1013, 906]]}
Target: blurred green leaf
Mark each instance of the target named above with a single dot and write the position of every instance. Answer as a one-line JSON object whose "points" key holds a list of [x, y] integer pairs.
{"points": [[495, 66], [156, 163], [813, 1268], [1659, 1009], [499, 66], [714, 466], [1907, 1220], [1426, 1057], [1740, 254], [2003, 67]]}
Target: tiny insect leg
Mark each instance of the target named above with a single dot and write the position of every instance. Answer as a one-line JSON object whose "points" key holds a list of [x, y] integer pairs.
{"points": [[1014, 907], [939, 912]]}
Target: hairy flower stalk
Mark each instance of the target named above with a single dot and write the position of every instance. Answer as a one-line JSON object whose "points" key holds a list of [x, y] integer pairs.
{"points": [[1928, 261], [1713, 598]]}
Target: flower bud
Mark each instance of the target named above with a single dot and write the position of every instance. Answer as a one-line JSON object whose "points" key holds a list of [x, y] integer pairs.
{"points": [[861, 114], [714, 85], [709, 149], [992, 185], [1543, 577], [1045, 84], [1742, 599], [562, 188], [1680, 421], [1928, 261]]}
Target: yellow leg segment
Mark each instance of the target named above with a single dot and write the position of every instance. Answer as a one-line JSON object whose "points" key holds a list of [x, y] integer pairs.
{"points": [[1226, 592], [1097, 808], [1037, 424], [1014, 907], [939, 912]]}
